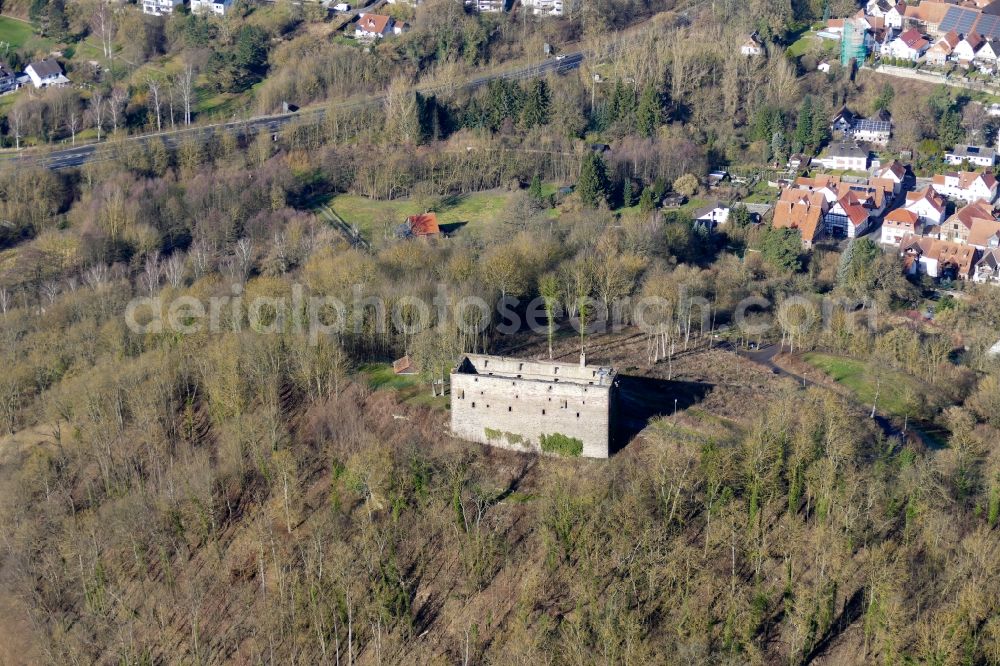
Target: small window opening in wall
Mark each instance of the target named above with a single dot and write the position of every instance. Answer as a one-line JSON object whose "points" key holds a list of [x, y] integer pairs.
{"points": [[578, 415], [555, 370], [473, 405], [513, 383], [461, 395], [485, 363], [509, 408], [476, 379], [520, 366], [585, 402], [543, 412]]}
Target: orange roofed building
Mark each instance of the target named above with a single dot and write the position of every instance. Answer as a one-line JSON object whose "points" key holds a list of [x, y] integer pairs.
{"points": [[801, 210], [420, 226]]}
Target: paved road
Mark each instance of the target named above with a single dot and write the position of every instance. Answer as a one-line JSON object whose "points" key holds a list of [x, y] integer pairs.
{"points": [[79, 155], [765, 357]]}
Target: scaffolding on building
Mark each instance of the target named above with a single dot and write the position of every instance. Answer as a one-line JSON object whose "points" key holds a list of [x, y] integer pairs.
{"points": [[852, 43]]}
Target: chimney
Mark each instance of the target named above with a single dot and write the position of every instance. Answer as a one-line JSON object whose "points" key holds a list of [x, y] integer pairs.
{"points": [[583, 359]]}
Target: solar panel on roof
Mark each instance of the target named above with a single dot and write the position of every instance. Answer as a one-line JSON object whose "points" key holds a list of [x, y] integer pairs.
{"points": [[951, 18], [966, 20]]}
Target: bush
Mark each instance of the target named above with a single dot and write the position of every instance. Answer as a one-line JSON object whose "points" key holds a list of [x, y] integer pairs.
{"points": [[561, 444]]}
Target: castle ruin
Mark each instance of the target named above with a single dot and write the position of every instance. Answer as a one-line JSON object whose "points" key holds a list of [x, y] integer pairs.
{"points": [[534, 405]]}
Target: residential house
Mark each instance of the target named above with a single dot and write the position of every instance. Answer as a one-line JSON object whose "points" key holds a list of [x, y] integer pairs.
{"points": [[940, 53], [8, 80], [848, 217], [967, 185], [217, 7], [798, 162], [898, 224], [875, 129], [965, 51], [160, 7], [959, 227], [824, 67], [988, 267], [487, 5], [893, 172], [980, 156], [752, 46], [803, 211], [928, 15], [845, 155], [548, 7], [988, 55], [46, 73], [910, 45], [834, 29], [894, 17], [420, 226], [843, 121], [927, 204], [711, 216], [937, 258], [376, 26]]}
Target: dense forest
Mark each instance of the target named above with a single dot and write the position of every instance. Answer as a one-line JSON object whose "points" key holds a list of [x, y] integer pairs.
{"points": [[252, 493]]}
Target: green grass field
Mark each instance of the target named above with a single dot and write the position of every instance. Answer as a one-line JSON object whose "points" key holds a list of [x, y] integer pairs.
{"points": [[410, 388], [20, 35], [369, 216], [862, 382], [14, 32]]}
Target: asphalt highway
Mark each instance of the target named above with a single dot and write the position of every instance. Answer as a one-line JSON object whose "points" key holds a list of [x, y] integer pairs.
{"points": [[79, 155]]}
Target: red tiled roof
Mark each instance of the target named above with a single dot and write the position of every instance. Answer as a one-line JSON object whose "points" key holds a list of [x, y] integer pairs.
{"points": [[374, 23], [930, 194], [902, 217], [424, 225]]}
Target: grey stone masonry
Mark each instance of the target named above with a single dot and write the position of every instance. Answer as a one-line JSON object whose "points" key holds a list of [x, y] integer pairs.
{"points": [[512, 402]]}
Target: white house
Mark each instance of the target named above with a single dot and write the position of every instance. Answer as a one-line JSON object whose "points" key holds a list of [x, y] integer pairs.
{"points": [[927, 204], [824, 67], [752, 46], [894, 17], [966, 50], [488, 5], [988, 268], [893, 172], [910, 45], [547, 7], [217, 7], [45, 73], [160, 7], [847, 217], [712, 216], [845, 155], [376, 26], [980, 156], [967, 185], [940, 53], [988, 54], [898, 224]]}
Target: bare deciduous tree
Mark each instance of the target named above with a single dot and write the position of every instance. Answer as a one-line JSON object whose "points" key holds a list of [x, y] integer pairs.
{"points": [[152, 270], [96, 276], [185, 86], [116, 107], [97, 111], [73, 124], [154, 100], [173, 269], [16, 120]]}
